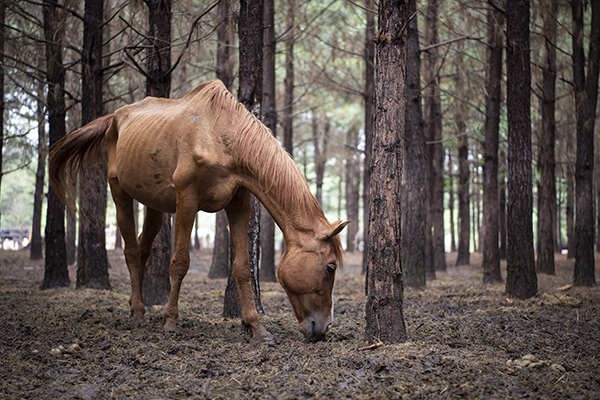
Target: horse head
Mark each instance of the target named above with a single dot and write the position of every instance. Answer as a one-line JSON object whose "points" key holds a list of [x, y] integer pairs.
{"points": [[307, 273]]}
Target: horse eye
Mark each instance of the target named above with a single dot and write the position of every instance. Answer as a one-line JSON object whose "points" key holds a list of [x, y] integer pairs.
{"points": [[331, 268]]}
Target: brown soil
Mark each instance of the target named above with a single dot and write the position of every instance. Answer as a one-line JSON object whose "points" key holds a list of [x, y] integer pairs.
{"points": [[466, 340]]}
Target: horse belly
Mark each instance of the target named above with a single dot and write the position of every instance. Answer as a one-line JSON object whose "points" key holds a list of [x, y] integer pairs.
{"points": [[145, 172]]}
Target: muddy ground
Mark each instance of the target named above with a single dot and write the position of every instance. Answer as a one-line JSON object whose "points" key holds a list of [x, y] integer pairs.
{"points": [[466, 340]]}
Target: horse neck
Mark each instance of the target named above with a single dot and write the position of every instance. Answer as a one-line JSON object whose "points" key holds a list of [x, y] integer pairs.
{"points": [[273, 177]]}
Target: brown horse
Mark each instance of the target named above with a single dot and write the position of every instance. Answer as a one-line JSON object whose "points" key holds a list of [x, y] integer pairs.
{"points": [[206, 152]]}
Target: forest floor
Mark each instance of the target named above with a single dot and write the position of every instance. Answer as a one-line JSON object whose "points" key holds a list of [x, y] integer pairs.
{"points": [[465, 340]]}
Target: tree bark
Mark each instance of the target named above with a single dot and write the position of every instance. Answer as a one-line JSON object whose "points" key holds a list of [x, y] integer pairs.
{"points": [[320, 147], [70, 239], [463, 257], [435, 257], [385, 320], [219, 266], [369, 56], [502, 206], [451, 201], [157, 284], [491, 250], [92, 260], [56, 273], [267, 225], [546, 228], [521, 280], [414, 192], [586, 99], [250, 31], [570, 208], [352, 173], [288, 97], [36, 249], [2, 105]]}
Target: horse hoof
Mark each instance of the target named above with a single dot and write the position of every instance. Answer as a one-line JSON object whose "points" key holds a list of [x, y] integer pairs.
{"points": [[137, 319], [261, 334], [170, 326]]}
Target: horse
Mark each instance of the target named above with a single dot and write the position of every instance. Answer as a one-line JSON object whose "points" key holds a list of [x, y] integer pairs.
{"points": [[206, 152]]}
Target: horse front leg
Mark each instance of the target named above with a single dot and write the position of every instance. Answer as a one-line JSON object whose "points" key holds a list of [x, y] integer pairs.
{"points": [[238, 213], [185, 215]]}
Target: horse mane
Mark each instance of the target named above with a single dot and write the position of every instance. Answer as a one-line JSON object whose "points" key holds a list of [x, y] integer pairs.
{"points": [[256, 150]]}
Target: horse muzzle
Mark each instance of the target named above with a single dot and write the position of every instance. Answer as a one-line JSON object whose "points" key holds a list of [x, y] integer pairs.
{"points": [[315, 330]]}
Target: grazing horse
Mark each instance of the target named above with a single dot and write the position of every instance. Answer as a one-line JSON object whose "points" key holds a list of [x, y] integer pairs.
{"points": [[205, 151]]}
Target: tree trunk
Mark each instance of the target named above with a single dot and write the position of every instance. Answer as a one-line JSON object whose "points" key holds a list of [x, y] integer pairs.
{"points": [[36, 250], [491, 250], [320, 153], [197, 245], [546, 229], [385, 320], [56, 273], [158, 84], [435, 257], [451, 201], [463, 257], [570, 209], [352, 187], [414, 200], [250, 31], [586, 98], [219, 266], [288, 97], [267, 225], [521, 280], [2, 40], [369, 56], [70, 239], [92, 260], [502, 206]]}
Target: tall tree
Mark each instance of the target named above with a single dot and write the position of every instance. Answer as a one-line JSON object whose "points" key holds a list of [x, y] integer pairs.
{"points": [[451, 200], [157, 284], [2, 40], [414, 193], [288, 98], [435, 257], [219, 266], [369, 56], [546, 228], [352, 172], [250, 32], [56, 273], [92, 260], [586, 99], [463, 256], [36, 250], [521, 280], [320, 146], [502, 205], [385, 320], [491, 249], [269, 104]]}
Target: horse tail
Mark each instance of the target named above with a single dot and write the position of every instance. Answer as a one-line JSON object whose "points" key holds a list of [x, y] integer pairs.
{"points": [[75, 153]]}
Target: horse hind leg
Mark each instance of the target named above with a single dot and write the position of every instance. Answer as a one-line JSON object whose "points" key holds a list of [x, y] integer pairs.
{"points": [[125, 219]]}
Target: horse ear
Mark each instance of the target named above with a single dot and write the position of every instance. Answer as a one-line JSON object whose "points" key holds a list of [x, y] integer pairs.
{"points": [[337, 227]]}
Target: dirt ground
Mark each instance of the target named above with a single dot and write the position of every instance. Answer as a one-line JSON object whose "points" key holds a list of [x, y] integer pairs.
{"points": [[466, 340]]}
